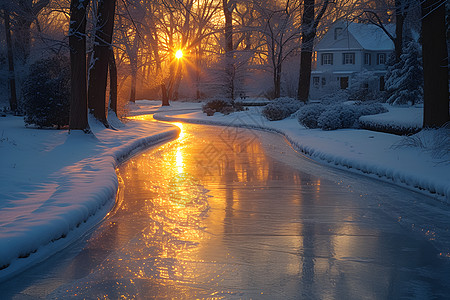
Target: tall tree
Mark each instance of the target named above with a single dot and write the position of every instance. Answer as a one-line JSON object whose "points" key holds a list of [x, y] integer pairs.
{"points": [[113, 104], [11, 71], [78, 118], [98, 72], [435, 64], [309, 30], [229, 68]]}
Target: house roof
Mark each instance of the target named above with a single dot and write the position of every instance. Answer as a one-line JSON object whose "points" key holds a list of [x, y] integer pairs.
{"points": [[357, 36]]}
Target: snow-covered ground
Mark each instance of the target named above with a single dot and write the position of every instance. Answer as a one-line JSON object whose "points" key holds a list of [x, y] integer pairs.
{"points": [[54, 186]]}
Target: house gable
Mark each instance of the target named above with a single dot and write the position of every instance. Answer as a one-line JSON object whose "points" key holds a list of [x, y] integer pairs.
{"points": [[333, 40], [356, 36]]}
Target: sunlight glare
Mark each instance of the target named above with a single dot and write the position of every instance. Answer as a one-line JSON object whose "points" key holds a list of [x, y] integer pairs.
{"points": [[179, 54], [180, 125]]}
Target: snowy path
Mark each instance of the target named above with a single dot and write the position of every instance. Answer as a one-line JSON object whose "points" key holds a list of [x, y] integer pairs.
{"points": [[227, 213]]}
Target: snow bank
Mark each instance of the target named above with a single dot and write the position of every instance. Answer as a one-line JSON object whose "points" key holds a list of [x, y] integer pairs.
{"points": [[400, 120], [54, 186], [361, 151]]}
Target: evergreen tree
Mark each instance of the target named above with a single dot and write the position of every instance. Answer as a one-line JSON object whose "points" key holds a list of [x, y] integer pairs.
{"points": [[404, 81]]}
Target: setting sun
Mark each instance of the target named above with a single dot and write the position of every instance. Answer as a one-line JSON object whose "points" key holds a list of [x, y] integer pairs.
{"points": [[179, 54]]}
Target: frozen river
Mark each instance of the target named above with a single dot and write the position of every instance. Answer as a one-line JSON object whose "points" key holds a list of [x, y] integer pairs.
{"points": [[226, 213]]}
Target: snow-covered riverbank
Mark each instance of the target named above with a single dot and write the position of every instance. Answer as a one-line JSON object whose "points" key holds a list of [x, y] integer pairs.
{"points": [[54, 186]]}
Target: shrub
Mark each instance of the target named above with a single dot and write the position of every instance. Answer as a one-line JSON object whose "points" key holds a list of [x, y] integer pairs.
{"points": [[329, 120], [365, 87], [308, 115], [224, 106], [336, 116], [347, 115], [371, 109], [46, 92], [281, 108]]}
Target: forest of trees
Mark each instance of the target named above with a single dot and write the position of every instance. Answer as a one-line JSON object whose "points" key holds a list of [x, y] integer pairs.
{"points": [[124, 50]]}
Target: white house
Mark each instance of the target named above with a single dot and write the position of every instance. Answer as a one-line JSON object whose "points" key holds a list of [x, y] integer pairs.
{"points": [[346, 50]]}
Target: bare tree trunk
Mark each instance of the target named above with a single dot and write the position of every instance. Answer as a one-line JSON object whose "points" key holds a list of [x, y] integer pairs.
{"points": [[113, 82], [98, 73], [78, 119], [177, 79], [435, 64], [309, 29], [305, 67], [277, 82], [165, 96], [133, 81], [229, 68], [399, 22], [11, 75]]}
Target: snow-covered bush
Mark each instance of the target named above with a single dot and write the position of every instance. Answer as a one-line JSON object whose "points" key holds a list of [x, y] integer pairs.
{"points": [[338, 116], [224, 106], [309, 114], [281, 108], [46, 93], [337, 96], [404, 80], [329, 120], [365, 87], [331, 117], [370, 109]]}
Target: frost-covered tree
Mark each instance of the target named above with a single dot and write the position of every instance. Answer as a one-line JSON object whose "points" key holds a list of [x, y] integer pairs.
{"points": [[404, 80]]}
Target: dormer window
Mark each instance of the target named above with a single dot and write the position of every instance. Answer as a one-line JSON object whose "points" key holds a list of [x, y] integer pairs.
{"points": [[337, 32]]}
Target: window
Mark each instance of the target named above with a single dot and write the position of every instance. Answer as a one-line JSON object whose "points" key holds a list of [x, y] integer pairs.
{"points": [[348, 58], [337, 32], [381, 58], [324, 81], [316, 81], [327, 58], [367, 59]]}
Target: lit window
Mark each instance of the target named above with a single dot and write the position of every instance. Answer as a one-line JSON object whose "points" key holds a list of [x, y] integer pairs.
{"points": [[367, 59], [381, 58], [327, 58], [348, 59]]}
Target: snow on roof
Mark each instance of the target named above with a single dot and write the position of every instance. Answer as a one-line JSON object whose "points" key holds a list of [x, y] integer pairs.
{"points": [[372, 37], [357, 36]]}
